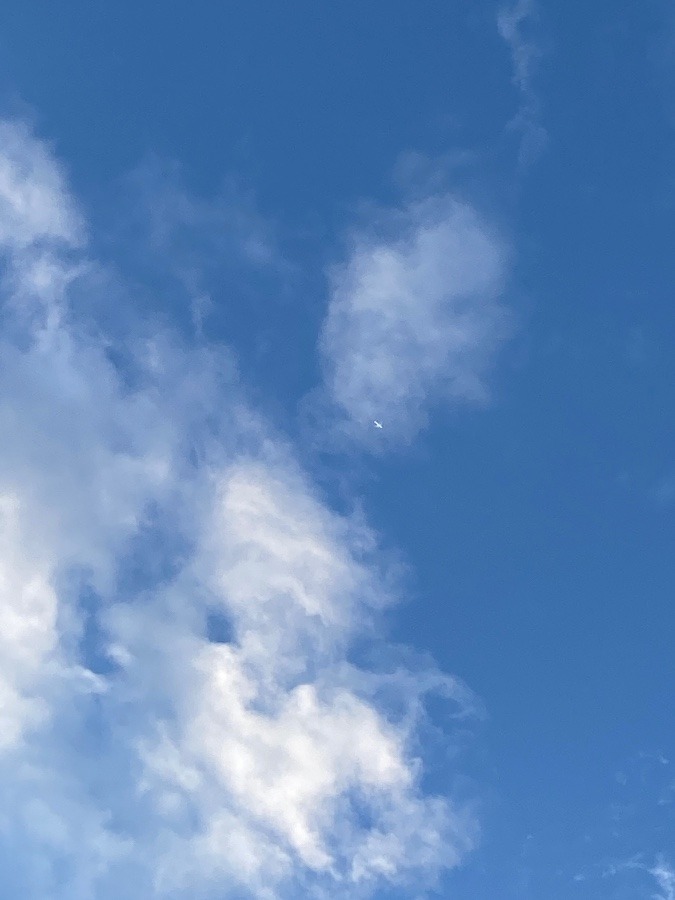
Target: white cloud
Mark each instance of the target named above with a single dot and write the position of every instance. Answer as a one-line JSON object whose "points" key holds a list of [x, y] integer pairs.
{"points": [[512, 24], [28, 610], [515, 25], [661, 872], [414, 317], [272, 730], [665, 879], [34, 203], [267, 765]]}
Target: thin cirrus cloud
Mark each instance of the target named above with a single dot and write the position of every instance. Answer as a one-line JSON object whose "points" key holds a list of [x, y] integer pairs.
{"points": [[515, 24], [664, 875], [622, 849], [415, 318], [661, 876], [140, 494]]}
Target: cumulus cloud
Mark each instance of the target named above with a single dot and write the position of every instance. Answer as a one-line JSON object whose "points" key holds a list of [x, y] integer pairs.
{"points": [[141, 498], [414, 317], [270, 727]]}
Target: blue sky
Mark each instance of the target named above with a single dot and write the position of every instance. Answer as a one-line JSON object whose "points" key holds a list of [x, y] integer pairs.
{"points": [[250, 645]]}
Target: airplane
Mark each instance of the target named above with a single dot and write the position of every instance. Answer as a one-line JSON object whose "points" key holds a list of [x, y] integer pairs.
{"points": [[377, 424]]}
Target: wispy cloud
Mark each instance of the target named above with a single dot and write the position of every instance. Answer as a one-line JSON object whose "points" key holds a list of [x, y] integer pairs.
{"points": [[141, 497], [516, 23], [184, 224], [414, 317], [664, 875], [660, 871], [221, 247], [630, 834]]}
